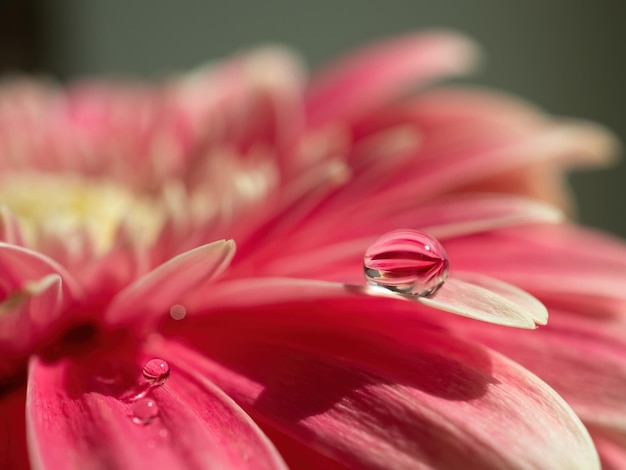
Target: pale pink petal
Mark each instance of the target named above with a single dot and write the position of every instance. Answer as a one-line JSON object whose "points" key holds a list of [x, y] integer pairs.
{"points": [[531, 305], [482, 298], [75, 422], [13, 454], [369, 77], [10, 231], [254, 97], [397, 398], [489, 300], [154, 294]]}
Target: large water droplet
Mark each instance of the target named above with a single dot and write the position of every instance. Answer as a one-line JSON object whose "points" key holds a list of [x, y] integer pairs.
{"points": [[156, 372], [144, 410], [406, 261]]}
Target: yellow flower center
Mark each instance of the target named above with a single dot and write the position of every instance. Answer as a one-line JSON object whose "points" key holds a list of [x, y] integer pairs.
{"points": [[69, 207]]}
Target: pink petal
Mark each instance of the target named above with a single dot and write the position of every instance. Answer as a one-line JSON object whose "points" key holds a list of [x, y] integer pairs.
{"points": [[481, 298], [19, 265], [581, 357], [554, 261], [74, 422], [464, 105], [488, 300], [318, 250], [26, 314], [35, 292], [154, 294], [371, 76], [612, 454], [13, 454], [445, 167], [10, 231], [400, 397]]}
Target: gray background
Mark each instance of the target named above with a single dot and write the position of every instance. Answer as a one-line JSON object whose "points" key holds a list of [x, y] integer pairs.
{"points": [[565, 55]]}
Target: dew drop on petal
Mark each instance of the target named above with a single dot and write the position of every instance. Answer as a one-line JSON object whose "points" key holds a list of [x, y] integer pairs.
{"points": [[408, 262], [156, 372], [178, 312], [108, 374], [144, 411]]}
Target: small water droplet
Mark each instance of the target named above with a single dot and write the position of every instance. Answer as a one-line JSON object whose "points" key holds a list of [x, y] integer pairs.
{"points": [[156, 372], [144, 411], [108, 374], [178, 312], [408, 262]]}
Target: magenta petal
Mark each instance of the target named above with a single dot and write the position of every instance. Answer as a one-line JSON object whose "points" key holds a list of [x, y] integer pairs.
{"points": [[612, 454], [320, 252], [411, 399], [582, 358], [369, 77], [73, 423], [13, 454], [154, 294]]}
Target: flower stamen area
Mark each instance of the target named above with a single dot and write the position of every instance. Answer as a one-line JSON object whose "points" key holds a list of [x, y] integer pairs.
{"points": [[68, 207]]}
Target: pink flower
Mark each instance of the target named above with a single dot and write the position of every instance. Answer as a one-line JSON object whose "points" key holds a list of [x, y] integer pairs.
{"points": [[133, 340]]}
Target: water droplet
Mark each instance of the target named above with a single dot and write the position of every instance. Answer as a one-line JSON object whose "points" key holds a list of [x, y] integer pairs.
{"points": [[108, 374], [156, 372], [144, 411], [178, 312], [408, 262]]}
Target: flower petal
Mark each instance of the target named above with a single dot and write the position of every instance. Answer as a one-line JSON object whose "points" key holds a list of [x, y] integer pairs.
{"points": [[154, 293], [34, 292], [396, 398], [74, 423], [20, 265], [464, 105], [612, 454], [13, 452], [369, 77], [581, 357], [478, 297], [319, 251], [488, 300], [551, 261], [10, 231]]}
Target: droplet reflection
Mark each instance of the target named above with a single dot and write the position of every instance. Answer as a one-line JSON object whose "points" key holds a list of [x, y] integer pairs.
{"points": [[408, 262]]}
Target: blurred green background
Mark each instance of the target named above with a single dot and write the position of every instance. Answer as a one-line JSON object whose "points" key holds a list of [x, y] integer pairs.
{"points": [[565, 55]]}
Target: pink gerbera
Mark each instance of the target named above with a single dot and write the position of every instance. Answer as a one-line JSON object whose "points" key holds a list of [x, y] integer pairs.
{"points": [[134, 340]]}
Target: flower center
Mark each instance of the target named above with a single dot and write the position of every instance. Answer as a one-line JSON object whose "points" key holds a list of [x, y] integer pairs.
{"points": [[70, 208]]}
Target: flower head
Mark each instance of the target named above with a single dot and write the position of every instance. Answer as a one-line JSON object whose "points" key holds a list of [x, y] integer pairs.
{"points": [[133, 339]]}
